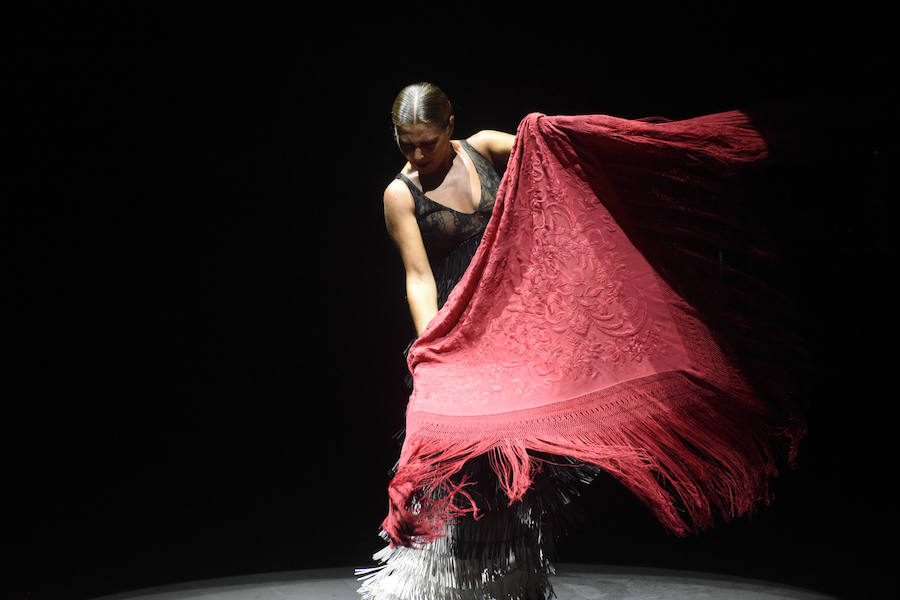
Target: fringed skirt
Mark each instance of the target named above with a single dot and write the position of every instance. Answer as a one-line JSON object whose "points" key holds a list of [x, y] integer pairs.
{"points": [[505, 553]]}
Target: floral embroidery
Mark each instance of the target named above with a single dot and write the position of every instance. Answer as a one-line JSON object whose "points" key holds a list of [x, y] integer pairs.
{"points": [[571, 306]]}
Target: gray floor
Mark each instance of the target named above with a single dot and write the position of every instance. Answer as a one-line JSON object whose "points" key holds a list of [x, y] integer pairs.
{"points": [[572, 582]]}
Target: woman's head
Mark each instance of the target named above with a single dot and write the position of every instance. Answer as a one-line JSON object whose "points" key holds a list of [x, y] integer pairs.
{"points": [[423, 124], [421, 103]]}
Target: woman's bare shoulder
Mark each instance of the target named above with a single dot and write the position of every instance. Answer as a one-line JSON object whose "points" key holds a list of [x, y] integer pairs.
{"points": [[397, 197], [488, 140], [493, 145]]}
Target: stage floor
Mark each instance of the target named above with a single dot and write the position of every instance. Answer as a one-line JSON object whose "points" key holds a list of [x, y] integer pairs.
{"points": [[572, 582]]}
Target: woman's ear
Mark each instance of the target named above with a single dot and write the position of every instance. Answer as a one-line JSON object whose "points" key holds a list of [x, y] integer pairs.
{"points": [[450, 126]]}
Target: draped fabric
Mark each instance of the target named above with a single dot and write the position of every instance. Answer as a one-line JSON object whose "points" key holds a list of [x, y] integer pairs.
{"points": [[567, 337]]}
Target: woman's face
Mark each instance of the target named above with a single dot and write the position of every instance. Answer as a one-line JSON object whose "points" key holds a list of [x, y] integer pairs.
{"points": [[425, 145]]}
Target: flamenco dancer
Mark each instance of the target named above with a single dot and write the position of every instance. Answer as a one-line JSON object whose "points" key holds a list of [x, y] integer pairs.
{"points": [[557, 338]]}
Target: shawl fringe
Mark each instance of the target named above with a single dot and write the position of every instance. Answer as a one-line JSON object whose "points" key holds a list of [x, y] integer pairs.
{"points": [[690, 455]]}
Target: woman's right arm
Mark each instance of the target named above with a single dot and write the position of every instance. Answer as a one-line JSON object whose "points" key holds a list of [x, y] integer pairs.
{"points": [[400, 219]]}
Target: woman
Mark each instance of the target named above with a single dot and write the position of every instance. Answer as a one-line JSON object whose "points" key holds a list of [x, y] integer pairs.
{"points": [[557, 349], [436, 210], [438, 206]]}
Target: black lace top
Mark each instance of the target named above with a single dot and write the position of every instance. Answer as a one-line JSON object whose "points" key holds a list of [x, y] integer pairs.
{"points": [[452, 237]]}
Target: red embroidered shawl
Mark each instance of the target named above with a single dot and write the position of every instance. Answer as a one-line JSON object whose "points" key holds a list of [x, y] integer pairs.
{"points": [[562, 338]]}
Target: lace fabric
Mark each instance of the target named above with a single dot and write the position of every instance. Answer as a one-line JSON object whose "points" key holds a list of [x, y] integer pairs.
{"points": [[452, 237]]}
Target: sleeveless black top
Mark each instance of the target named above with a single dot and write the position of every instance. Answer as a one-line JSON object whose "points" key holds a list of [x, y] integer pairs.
{"points": [[452, 237]]}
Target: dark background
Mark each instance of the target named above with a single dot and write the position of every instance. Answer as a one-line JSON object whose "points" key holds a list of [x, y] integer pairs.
{"points": [[204, 314]]}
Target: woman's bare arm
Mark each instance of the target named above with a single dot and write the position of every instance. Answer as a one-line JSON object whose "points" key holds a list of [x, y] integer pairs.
{"points": [[495, 145], [400, 219]]}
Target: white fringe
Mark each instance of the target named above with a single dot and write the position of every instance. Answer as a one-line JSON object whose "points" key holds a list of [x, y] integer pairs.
{"points": [[501, 556]]}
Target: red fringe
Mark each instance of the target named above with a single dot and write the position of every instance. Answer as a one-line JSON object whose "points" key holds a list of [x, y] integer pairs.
{"points": [[701, 454]]}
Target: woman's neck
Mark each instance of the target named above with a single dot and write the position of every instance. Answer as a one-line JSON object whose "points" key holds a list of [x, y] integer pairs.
{"points": [[435, 178]]}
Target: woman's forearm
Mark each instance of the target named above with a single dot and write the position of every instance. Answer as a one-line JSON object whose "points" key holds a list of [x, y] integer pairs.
{"points": [[421, 293]]}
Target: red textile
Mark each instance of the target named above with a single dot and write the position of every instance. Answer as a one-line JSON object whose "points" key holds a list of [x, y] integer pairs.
{"points": [[562, 338]]}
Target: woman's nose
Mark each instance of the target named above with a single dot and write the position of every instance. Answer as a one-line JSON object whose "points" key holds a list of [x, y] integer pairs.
{"points": [[418, 154]]}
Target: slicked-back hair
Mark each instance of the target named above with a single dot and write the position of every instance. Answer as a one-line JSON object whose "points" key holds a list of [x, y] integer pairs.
{"points": [[421, 102]]}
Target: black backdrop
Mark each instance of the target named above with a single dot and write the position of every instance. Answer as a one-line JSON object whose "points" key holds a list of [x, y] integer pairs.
{"points": [[204, 314]]}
